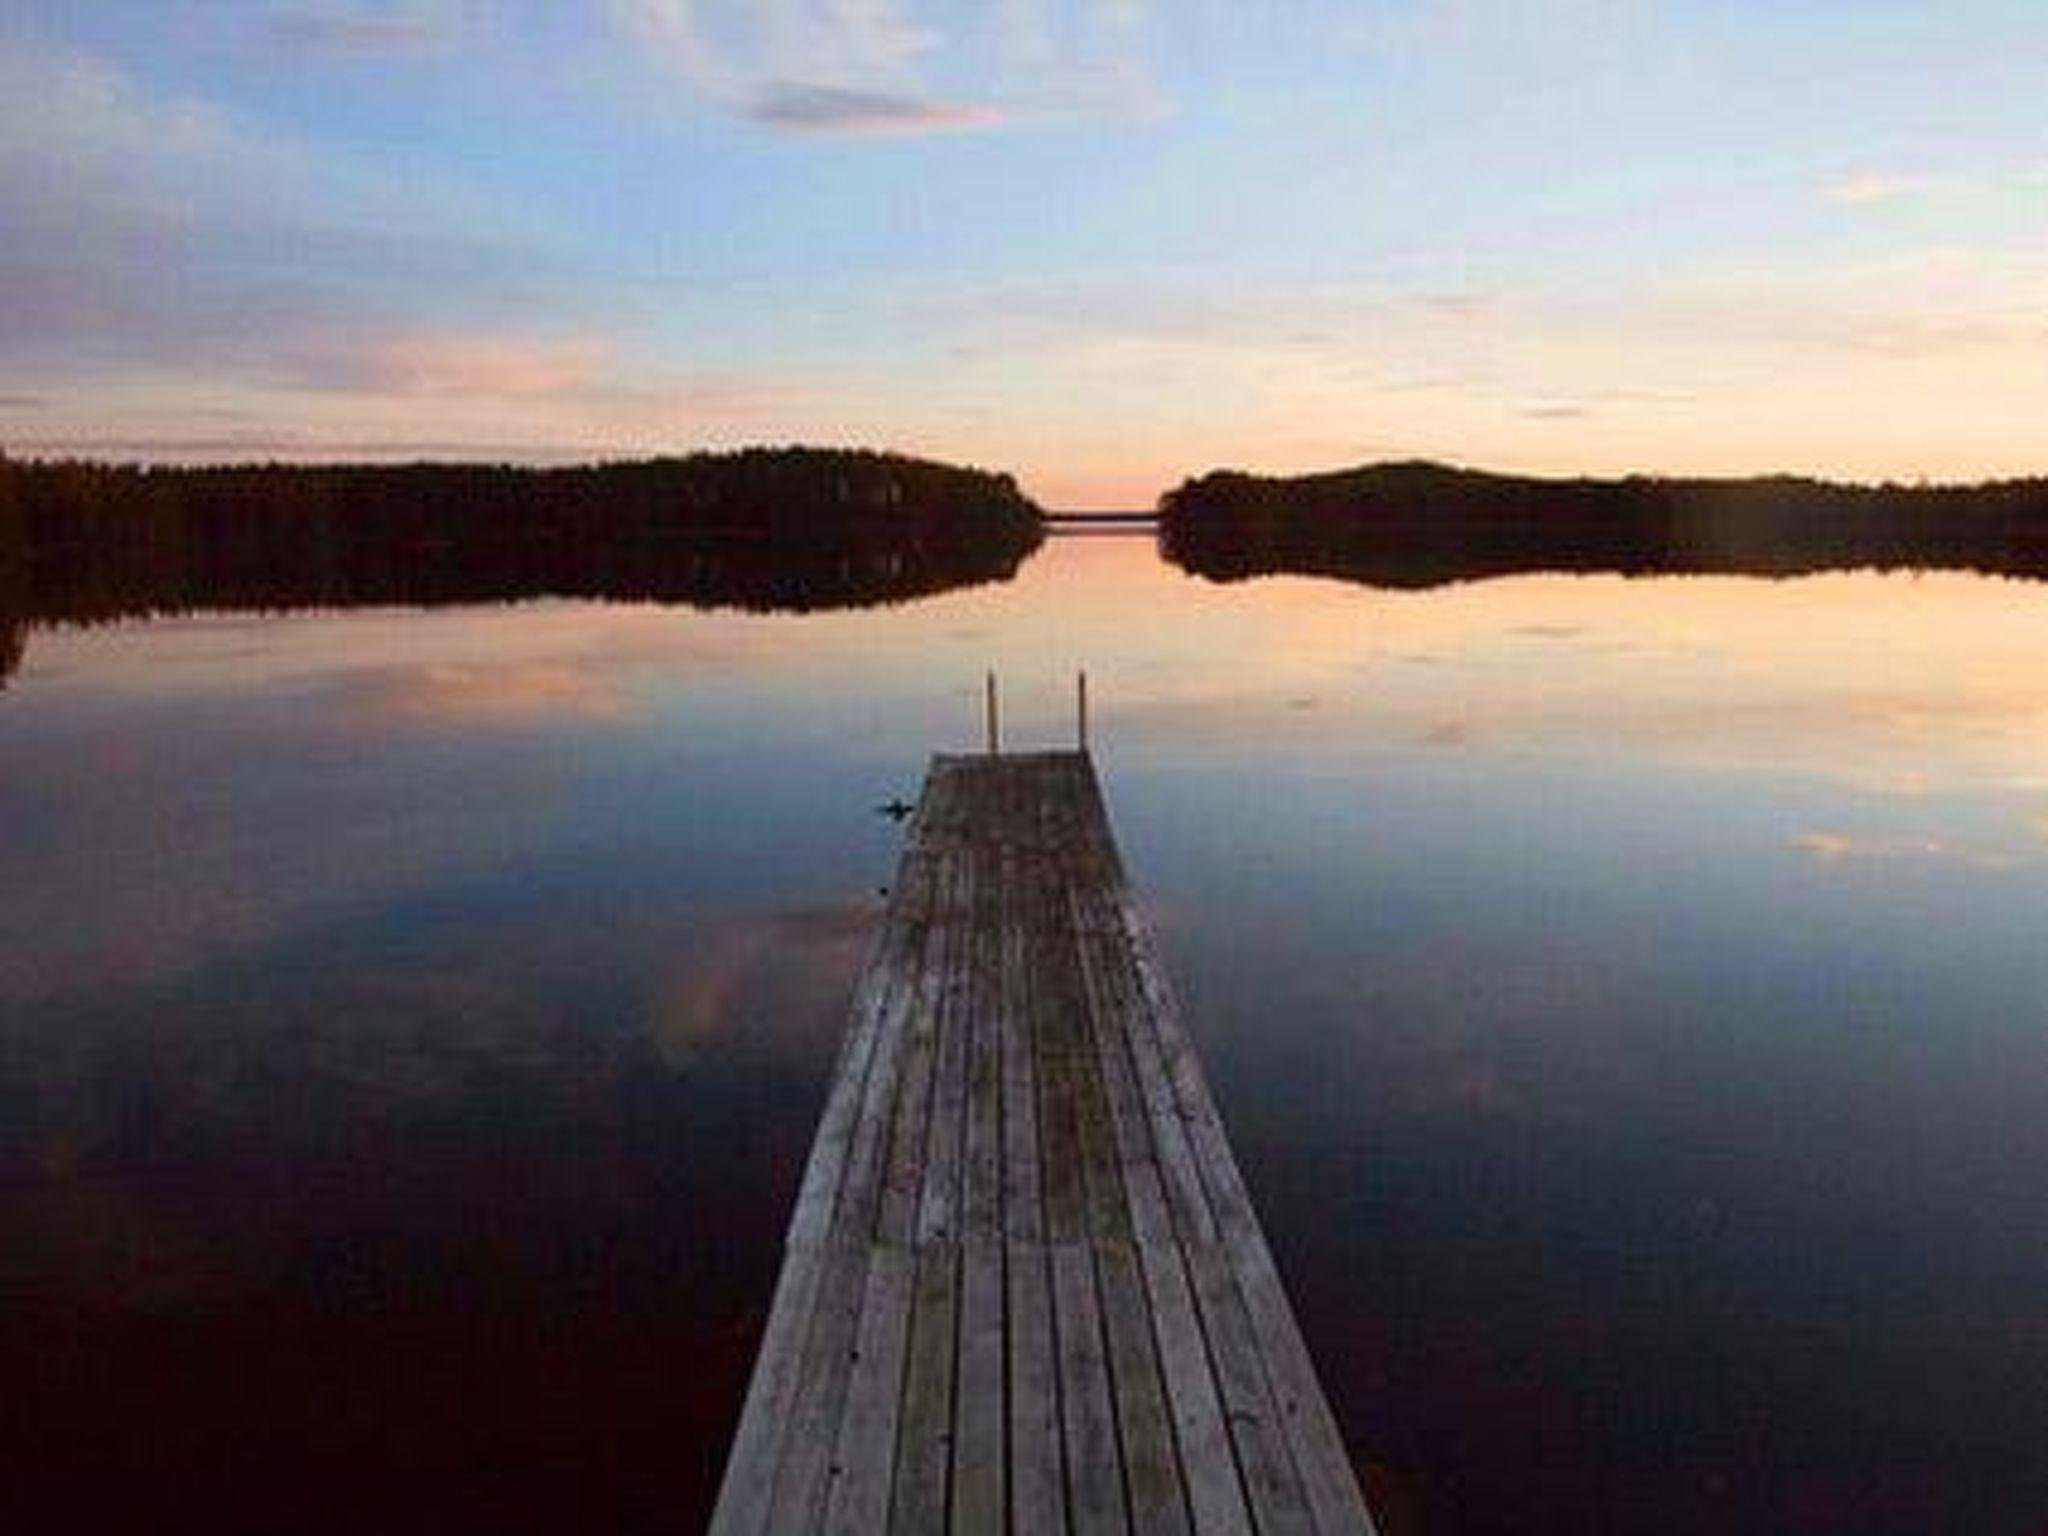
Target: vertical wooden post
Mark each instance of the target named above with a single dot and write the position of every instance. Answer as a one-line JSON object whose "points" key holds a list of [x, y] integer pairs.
{"points": [[994, 719], [1081, 710]]}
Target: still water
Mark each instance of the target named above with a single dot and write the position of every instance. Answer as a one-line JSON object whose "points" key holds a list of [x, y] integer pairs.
{"points": [[1626, 997]]}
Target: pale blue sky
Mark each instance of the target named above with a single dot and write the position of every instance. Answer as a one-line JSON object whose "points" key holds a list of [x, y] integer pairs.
{"points": [[1104, 243]]}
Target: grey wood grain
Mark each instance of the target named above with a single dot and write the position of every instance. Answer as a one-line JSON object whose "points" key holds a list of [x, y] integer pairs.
{"points": [[924, 1451], [864, 1461], [1087, 1400], [980, 1430], [1037, 1495], [1025, 1288]]}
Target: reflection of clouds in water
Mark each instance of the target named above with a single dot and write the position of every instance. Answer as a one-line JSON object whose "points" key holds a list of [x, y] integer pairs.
{"points": [[369, 1018], [367, 1021], [316, 1059], [1908, 743], [1842, 847], [1481, 1021], [518, 693], [1886, 683], [1833, 847], [213, 656], [1499, 1029], [389, 1067], [428, 1034], [200, 830], [770, 981], [204, 796]]}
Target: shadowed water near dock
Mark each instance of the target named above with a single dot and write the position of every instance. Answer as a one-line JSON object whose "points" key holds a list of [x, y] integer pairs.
{"points": [[1024, 1287]]}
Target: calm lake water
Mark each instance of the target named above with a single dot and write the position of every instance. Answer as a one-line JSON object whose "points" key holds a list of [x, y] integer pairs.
{"points": [[1626, 998]]}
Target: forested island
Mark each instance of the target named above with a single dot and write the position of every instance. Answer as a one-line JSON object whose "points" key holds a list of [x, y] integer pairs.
{"points": [[789, 529], [1422, 524]]}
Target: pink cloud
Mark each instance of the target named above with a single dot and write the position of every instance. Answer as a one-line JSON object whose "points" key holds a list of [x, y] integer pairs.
{"points": [[441, 364]]}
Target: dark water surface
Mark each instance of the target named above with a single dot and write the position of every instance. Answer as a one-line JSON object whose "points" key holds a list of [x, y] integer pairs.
{"points": [[1626, 996]]}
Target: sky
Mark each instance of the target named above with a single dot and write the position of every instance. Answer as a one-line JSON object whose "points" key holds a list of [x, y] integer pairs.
{"points": [[1103, 244]]}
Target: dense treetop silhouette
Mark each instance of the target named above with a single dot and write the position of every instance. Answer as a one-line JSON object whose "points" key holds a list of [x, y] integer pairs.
{"points": [[1419, 524], [794, 529], [768, 529]]}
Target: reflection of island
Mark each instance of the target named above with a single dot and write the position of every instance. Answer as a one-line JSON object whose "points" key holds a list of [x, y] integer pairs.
{"points": [[1424, 524], [768, 530]]}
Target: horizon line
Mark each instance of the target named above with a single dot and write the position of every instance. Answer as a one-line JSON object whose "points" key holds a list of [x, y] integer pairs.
{"points": [[218, 453]]}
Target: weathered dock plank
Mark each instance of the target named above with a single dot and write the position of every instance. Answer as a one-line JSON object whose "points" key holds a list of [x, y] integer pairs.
{"points": [[1025, 1287]]}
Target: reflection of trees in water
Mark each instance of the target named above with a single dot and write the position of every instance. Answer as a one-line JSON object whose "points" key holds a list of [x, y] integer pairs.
{"points": [[1413, 525], [770, 531], [13, 646]]}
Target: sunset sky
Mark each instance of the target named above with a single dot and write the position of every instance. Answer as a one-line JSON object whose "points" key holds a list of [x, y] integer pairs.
{"points": [[1102, 243]]}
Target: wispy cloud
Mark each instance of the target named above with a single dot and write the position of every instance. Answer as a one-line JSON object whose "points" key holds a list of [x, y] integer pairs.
{"points": [[1865, 188], [438, 363], [886, 67], [1872, 188], [1513, 29], [1949, 303], [1106, 66], [151, 230], [835, 109], [357, 30], [169, 267], [814, 66]]}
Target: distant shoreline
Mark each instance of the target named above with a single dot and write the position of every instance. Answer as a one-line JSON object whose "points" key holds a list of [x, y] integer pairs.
{"points": [[1423, 524], [782, 530]]}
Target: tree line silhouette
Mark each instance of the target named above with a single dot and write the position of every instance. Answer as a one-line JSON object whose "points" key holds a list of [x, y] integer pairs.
{"points": [[797, 529], [1423, 524], [792, 529]]}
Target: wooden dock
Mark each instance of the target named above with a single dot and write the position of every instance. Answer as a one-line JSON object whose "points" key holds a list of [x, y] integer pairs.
{"points": [[1025, 1289]]}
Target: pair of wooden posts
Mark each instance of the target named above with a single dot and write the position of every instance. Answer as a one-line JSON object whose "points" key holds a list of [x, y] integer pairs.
{"points": [[993, 715]]}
